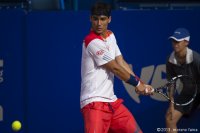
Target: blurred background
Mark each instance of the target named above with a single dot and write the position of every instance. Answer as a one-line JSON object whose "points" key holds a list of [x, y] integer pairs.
{"points": [[40, 59], [77, 5]]}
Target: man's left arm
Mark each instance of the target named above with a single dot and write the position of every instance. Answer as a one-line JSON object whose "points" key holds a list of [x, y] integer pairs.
{"points": [[120, 60]]}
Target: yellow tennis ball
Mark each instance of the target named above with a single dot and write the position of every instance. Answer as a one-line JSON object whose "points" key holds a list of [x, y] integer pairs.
{"points": [[16, 125]]}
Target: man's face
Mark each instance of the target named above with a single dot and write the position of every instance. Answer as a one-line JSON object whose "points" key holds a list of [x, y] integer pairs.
{"points": [[179, 46], [100, 23]]}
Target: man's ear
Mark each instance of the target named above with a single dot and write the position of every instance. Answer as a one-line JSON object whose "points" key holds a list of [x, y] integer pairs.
{"points": [[187, 43], [109, 19]]}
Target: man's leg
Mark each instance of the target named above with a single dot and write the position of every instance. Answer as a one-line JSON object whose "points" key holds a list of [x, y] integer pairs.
{"points": [[123, 121], [172, 117], [97, 118]]}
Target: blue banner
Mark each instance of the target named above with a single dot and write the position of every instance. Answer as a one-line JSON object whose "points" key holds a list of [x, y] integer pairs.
{"points": [[12, 70], [40, 63]]}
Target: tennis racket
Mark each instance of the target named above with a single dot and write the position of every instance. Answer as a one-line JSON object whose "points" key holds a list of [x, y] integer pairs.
{"points": [[180, 90]]}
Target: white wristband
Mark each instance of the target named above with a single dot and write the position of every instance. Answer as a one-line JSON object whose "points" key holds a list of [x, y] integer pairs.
{"points": [[138, 84]]}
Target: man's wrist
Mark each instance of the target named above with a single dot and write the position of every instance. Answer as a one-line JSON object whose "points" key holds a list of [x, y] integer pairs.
{"points": [[133, 81]]}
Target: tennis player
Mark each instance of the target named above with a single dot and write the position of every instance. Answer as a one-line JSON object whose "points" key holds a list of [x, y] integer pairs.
{"points": [[182, 61], [102, 111]]}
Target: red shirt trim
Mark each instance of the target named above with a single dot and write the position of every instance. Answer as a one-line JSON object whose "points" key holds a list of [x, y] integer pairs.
{"points": [[93, 36]]}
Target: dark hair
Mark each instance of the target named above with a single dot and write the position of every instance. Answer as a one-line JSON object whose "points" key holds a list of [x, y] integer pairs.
{"points": [[101, 8]]}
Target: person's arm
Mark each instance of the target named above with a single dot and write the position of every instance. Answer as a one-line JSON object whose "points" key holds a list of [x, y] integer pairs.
{"points": [[169, 74], [118, 71], [124, 75], [130, 77], [197, 62], [120, 60]]}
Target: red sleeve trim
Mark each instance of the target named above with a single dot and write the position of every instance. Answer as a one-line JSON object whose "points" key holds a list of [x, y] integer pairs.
{"points": [[91, 37]]}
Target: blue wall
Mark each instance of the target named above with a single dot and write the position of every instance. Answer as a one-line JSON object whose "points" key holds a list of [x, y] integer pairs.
{"points": [[41, 54], [12, 55]]}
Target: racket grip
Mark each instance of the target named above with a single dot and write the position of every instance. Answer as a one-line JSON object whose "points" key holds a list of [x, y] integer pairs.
{"points": [[146, 90], [154, 90]]}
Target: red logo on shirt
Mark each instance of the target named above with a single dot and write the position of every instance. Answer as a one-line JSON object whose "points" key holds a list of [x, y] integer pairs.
{"points": [[100, 52]]}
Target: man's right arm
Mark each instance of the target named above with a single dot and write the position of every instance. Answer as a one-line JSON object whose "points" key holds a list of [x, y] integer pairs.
{"points": [[119, 71], [124, 75]]}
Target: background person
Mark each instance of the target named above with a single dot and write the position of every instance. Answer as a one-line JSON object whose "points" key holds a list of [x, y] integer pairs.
{"points": [[182, 61]]}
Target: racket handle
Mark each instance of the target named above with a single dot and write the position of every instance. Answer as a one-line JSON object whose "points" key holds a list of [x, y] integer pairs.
{"points": [[155, 90], [146, 90]]}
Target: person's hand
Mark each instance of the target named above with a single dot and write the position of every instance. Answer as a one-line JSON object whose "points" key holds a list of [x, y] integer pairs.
{"points": [[144, 89]]}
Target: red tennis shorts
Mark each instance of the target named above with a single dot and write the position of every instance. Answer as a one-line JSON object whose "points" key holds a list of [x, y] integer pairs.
{"points": [[103, 117]]}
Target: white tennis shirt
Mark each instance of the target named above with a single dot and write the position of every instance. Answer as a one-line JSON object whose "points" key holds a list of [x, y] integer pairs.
{"points": [[97, 82]]}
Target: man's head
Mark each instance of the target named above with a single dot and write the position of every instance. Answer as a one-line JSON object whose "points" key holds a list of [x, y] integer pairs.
{"points": [[101, 8], [181, 34], [180, 39], [100, 17]]}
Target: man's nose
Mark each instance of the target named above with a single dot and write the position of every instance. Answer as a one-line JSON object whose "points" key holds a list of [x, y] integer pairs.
{"points": [[99, 22]]}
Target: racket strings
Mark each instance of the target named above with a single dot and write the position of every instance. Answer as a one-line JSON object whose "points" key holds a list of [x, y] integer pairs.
{"points": [[180, 90], [184, 91]]}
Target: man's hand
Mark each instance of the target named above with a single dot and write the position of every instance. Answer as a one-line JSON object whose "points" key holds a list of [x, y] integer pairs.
{"points": [[144, 89]]}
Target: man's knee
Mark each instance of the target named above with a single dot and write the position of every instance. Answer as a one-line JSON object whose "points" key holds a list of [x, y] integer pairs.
{"points": [[171, 118]]}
